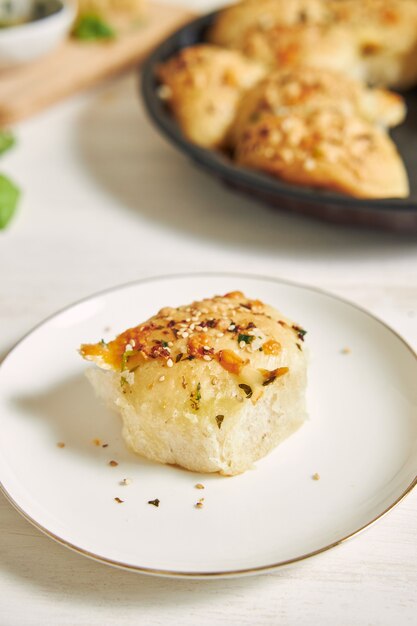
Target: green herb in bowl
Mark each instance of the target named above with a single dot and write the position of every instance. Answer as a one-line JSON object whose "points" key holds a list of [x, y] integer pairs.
{"points": [[93, 28]]}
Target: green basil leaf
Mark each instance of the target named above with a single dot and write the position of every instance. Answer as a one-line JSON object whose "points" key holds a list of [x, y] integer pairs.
{"points": [[93, 28], [9, 197], [7, 141]]}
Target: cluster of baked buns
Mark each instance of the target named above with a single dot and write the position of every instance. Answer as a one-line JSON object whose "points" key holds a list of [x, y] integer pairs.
{"points": [[298, 89]]}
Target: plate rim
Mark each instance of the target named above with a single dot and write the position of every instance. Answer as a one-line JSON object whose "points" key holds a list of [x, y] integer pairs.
{"points": [[229, 573]]}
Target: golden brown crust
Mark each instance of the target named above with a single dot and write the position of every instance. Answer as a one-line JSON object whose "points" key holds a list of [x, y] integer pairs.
{"points": [[231, 330], [328, 149], [303, 89], [202, 85]]}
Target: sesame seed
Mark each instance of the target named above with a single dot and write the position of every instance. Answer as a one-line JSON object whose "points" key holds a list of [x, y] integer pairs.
{"points": [[185, 334], [170, 344], [206, 348], [242, 344], [309, 165], [170, 363], [199, 505], [164, 92], [220, 335], [126, 481], [232, 327], [161, 379], [128, 348], [316, 476], [192, 326], [199, 486], [206, 357], [199, 328], [113, 463]]}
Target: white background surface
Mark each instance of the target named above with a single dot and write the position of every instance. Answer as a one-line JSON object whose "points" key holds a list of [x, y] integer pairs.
{"points": [[107, 200]]}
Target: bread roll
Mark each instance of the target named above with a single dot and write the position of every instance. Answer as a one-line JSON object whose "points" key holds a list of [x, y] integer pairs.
{"points": [[303, 89], [385, 38], [373, 40], [212, 387], [327, 149], [202, 85], [235, 21]]}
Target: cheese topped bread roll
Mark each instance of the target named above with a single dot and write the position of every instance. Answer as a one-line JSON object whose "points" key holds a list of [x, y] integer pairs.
{"points": [[212, 387], [373, 40], [202, 85], [235, 21], [303, 89], [385, 38], [328, 149]]}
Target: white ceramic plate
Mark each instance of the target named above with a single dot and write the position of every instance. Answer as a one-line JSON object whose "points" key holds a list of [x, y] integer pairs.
{"points": [[361, 439]]}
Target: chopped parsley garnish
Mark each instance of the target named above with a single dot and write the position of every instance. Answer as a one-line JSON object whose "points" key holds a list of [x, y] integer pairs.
{"points": [[125, 358], [246, 338], [164, 344], [248, 390], [300, 332], [7, 141], [195, 397], [219, 420], [9, 197], [93, 28]]}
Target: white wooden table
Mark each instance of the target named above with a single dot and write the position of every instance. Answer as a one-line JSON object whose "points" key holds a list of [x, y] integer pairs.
{"points": [[107, 200]]}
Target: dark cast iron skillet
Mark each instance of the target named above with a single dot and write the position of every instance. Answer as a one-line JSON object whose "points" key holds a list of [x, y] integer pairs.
{"points": [[387, 214]]}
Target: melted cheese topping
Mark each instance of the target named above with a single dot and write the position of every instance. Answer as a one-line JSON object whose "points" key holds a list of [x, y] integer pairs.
{"points": [[243, 336]]}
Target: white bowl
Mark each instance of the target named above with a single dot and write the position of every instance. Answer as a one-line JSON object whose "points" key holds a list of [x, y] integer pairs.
{"points": [[28, 41]]}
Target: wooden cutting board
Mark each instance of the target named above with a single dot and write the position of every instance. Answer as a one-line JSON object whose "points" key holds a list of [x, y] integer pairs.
{"points": [[77, 65]]}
